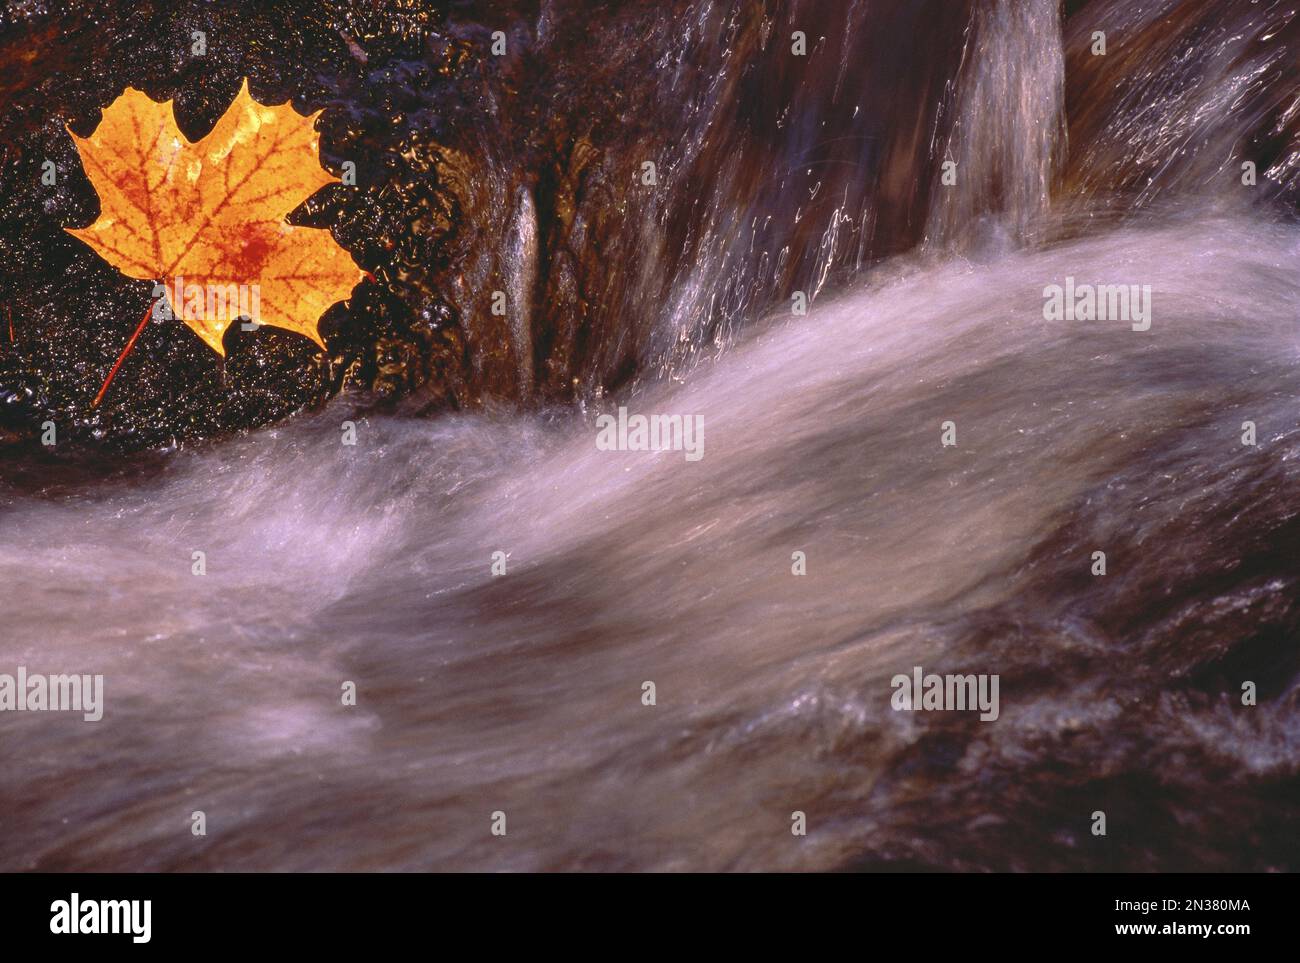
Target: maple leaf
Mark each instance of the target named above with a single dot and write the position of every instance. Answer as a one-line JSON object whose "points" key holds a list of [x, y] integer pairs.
{"points": [[213, 212]]}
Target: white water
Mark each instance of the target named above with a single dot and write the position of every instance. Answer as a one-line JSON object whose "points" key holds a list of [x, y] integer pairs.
{"points": [[1006, 159], [521, 693]]}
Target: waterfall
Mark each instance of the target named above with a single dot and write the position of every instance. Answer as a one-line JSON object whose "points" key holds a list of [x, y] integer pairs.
{"points": [[929, 471], [1002, 154]]}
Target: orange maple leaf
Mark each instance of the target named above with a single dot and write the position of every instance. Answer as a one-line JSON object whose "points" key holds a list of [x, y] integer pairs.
{"points": [[203, 217]]}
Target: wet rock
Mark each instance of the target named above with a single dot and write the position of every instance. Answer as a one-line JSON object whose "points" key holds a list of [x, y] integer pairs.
{"points": [[519, 252]]}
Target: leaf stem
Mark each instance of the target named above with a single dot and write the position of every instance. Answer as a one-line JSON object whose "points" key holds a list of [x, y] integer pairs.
{"points": [[122, 357]]}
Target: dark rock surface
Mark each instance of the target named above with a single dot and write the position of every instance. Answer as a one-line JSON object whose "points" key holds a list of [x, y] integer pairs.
{"points": [[476, 173], [523, 173]]}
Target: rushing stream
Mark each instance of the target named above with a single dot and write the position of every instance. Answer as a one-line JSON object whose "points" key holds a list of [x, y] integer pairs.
{"points": [[481, 691]]}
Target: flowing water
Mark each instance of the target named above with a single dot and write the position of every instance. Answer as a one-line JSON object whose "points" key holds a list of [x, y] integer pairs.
{"points": [[522, 692]]}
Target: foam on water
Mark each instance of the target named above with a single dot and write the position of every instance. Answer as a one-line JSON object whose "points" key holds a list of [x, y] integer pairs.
{"points": [[521, 693]]}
